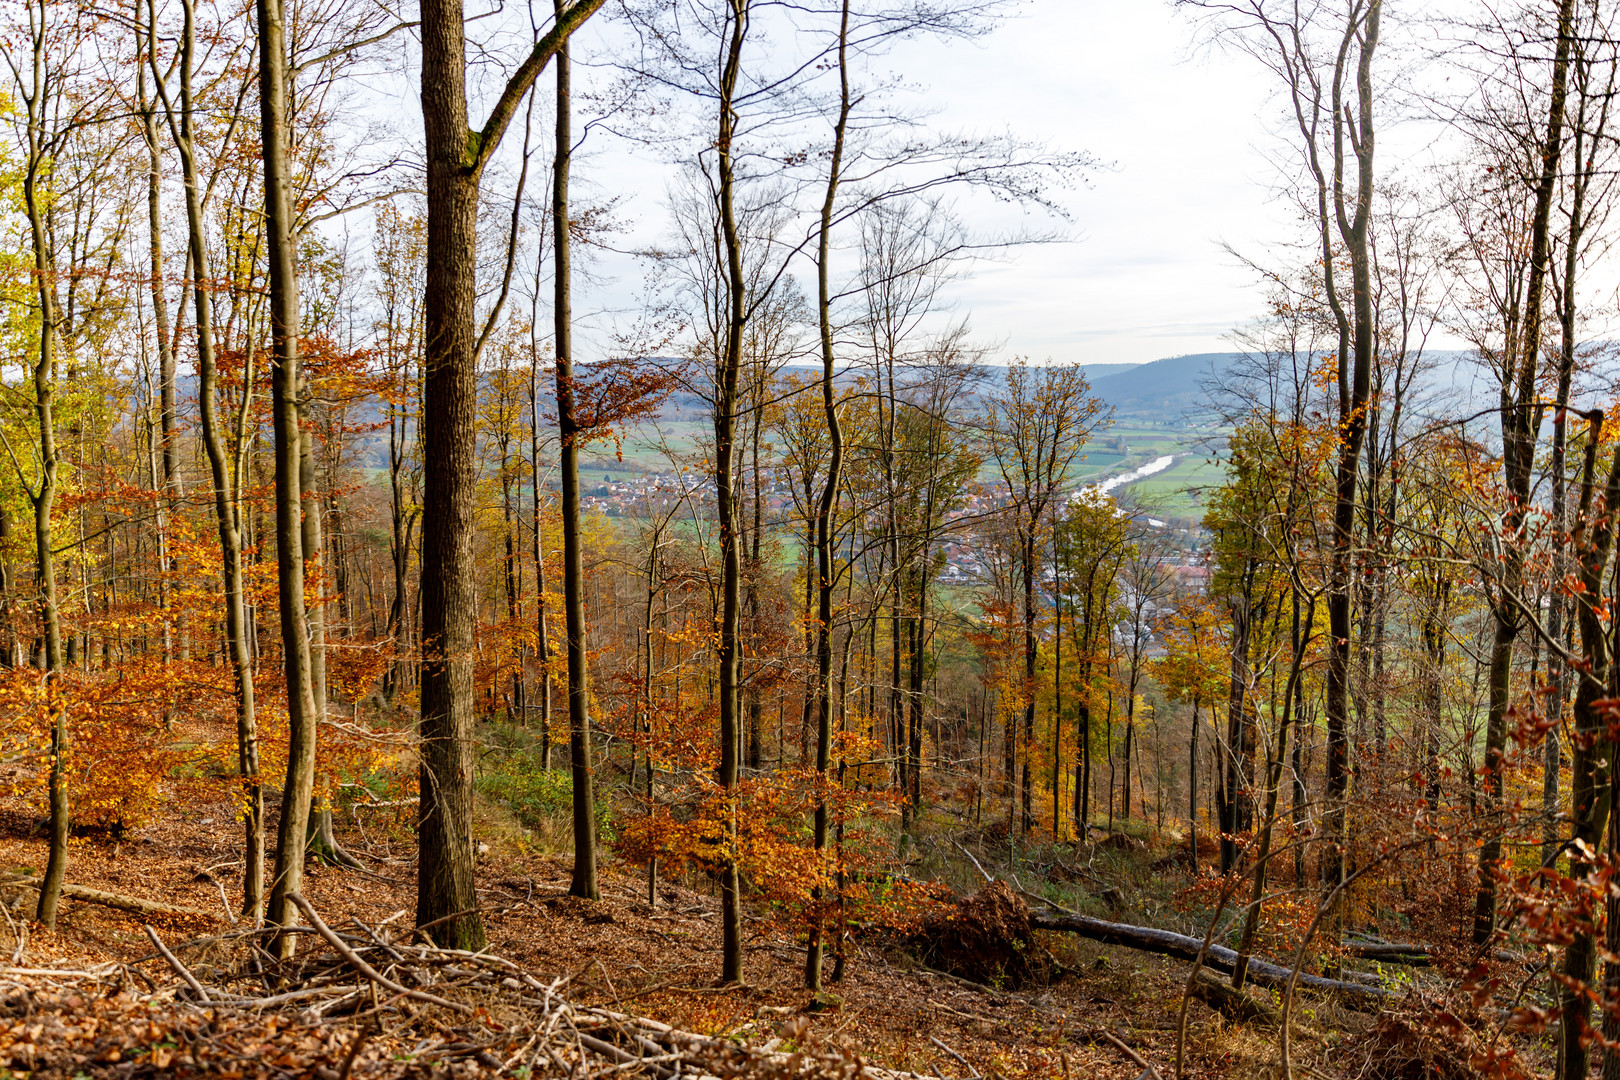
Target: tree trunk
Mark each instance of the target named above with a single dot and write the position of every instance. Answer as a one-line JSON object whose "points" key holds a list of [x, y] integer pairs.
{"points": [[1027, 788], [1521, 423], [825, 505], [1274, 767], [1235, 805], [1192, 791], [456, 157], [224, 484], [302, 710], [1355, 390], [1593, 754], [579, 720], [1057, 711], [43, 497], [144, 36], [725, 487]]}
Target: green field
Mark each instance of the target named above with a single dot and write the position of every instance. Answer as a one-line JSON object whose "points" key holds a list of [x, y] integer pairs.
{"points": [[1129, 444], [642, 452]]}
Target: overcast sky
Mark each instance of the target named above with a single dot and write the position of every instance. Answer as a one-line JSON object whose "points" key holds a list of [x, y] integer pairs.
{"points": [[1143, 275]]}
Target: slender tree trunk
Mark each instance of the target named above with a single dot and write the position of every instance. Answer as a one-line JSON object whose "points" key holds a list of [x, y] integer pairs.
{"points": [[1355, 391], [579, 720], [1593, 755], [1274, 767], [827, 503], [1057, 712], [302, 708], [731, 256], [312, 528], [402, 526], [1027, 789], [9, 648], [43, 493], [1192, 791], [1521, 423], [224, 485], [160, 307], [1236, 802]]}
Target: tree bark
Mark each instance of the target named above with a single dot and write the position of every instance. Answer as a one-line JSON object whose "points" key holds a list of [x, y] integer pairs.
{"points": [[826, 504], [456, 158], [222, 474], [725, 452], [1355, 390], [302, 714], [1593, 754], [579, 730], [43, 493]]}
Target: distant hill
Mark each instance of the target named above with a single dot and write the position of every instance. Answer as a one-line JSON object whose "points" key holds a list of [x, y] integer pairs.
{"points": [[1106, 371], [1163, 390]]}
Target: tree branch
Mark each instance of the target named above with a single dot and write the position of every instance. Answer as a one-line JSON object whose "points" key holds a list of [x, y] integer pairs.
{"points": [[523, 78]]}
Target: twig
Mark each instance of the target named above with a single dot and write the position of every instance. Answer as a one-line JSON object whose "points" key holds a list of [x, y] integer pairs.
{"points": [[443, 919], [174, 962], [354, 1049], [1133, 1055], [988, 879], [1050, 903], [366, 969], [224, 901], [960, 1060]]}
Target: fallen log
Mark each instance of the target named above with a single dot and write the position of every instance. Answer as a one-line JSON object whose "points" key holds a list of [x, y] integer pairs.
{"points": [[1395, 952], [1183, 947], [1389, 952], [133, 904]]}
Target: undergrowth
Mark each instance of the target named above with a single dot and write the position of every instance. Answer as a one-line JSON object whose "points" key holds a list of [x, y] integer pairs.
{"points": [[512, 774]]}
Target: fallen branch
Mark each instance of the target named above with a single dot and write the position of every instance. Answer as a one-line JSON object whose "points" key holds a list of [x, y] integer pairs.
{"points": [[1147, 1070], [174, 962], [366, 969], [1389, 952], [134, 904], [988, 879], [1396, 952], [1183, 947], [959, 1059]]}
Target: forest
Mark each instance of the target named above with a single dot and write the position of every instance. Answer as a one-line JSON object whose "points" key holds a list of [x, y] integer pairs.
{"points": [[443, 634]]}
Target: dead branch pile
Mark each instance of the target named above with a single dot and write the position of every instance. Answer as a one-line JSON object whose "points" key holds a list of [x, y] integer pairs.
{"points": [[985, 937], [362, 1002], [1416, 1042]]}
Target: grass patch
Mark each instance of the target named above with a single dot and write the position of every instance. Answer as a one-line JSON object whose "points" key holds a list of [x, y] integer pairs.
{"points": [[512, 774]]}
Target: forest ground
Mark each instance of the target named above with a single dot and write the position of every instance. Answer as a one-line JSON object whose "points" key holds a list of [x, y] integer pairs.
{"points": [[662, 962]]}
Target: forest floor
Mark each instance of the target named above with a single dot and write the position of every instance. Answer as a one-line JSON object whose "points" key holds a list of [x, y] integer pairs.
{"points": [[662, 961]]}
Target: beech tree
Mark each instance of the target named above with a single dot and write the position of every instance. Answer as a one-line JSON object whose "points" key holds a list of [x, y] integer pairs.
{"points": [[455, 166], [56, 103]]}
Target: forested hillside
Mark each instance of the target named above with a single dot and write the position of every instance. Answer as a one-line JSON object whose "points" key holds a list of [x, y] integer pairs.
{"points": [[443, 633]]}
